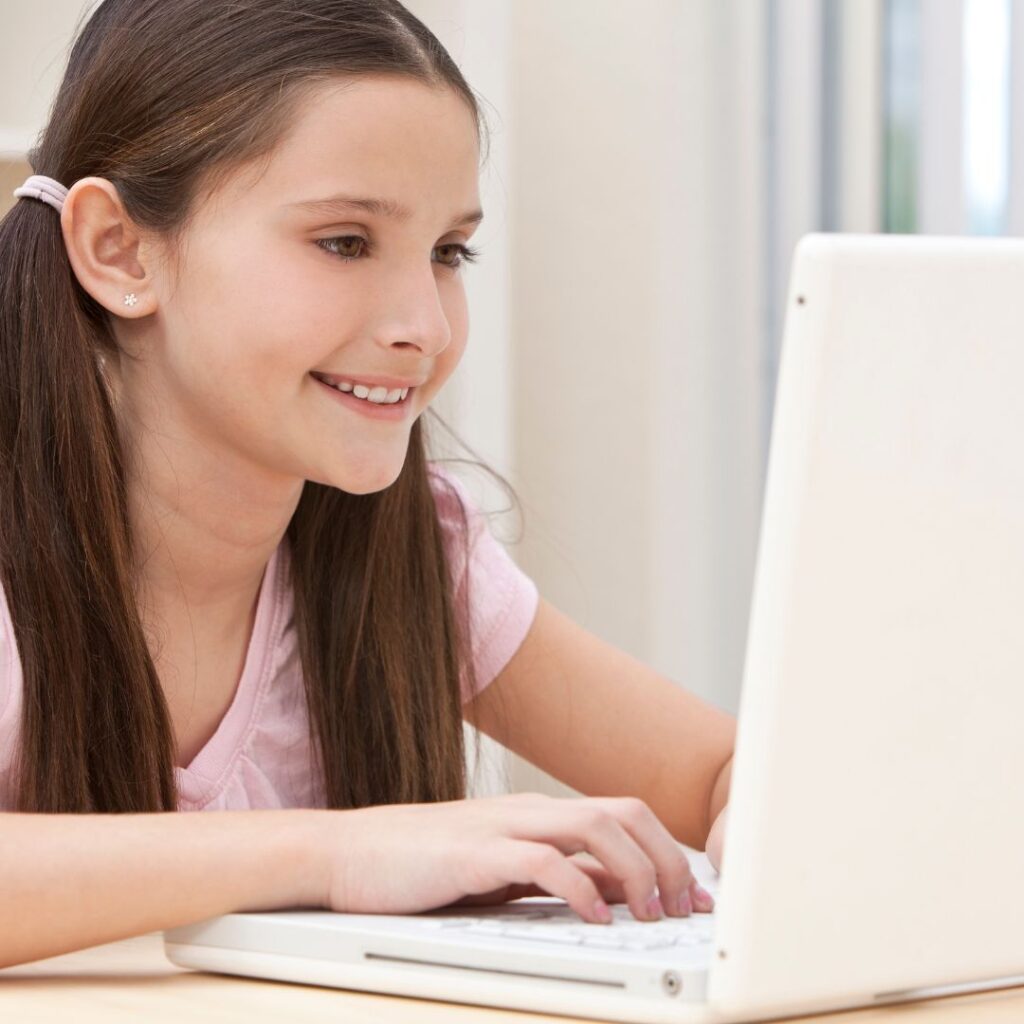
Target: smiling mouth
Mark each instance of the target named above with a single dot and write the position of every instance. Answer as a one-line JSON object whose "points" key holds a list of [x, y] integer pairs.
{"points": [[350, 392]]}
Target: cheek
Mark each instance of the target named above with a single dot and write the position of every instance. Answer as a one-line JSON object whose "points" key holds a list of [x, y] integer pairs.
{"points": [[274, 321], [264, 320], [288, 302], [444, 362], [457, 313], [452, 355]]}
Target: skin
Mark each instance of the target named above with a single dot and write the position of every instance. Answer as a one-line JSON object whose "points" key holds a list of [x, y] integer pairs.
{"points": [[221, 411], [222, 421]]}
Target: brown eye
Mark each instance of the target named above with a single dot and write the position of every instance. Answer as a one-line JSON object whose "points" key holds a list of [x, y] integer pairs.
{"points": [[462, 253], [327, 245]]}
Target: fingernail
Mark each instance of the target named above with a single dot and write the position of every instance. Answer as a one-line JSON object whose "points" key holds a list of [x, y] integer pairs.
{"points": [[654, 908], [602, 911], [685, 904], [705, 901]]}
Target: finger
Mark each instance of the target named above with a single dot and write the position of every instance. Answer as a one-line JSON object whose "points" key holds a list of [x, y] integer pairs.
{"points": [[607, 828], [483, 899], [608, 886], [671, 866], [702, 900], [611, 888], [498, 896], [517, 892], [541, 864]]}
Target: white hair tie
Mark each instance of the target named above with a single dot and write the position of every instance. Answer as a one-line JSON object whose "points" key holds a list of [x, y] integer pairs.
{"points": [[39, 186]]}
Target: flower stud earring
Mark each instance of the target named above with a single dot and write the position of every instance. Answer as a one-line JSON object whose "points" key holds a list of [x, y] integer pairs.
{"points": [[130, 299]]}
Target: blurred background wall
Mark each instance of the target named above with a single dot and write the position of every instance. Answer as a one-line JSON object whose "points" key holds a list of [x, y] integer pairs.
{"points": [[652, 166]]}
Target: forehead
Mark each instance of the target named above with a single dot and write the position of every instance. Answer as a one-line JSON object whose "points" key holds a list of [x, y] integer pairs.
{"points": [[392, 137]]}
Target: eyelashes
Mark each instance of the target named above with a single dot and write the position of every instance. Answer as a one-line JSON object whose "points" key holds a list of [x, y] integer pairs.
{"points": [[465, 253]]}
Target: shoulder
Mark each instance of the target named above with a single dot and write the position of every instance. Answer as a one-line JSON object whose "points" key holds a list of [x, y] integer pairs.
{"points": [[502, 598], [462, 519], [450, 493]]}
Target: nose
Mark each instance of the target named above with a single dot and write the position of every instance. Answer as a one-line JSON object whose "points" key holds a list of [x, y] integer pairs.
{"points": [[413, 314]]}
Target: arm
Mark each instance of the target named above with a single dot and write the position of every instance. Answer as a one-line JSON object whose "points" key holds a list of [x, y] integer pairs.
{"points": [[718, 816], [77, 880], [606, 724]]}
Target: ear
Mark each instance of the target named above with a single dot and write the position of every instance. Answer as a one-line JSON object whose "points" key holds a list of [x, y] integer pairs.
{"points": [[106, 250]]}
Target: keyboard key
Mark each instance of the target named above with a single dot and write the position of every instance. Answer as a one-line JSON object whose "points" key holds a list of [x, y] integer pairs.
{"points": [[653, 943], [485, 928], [562, 926], [603, 941], [543, 934]]}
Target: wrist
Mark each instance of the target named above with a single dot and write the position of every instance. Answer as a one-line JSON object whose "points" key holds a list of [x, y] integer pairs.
{"points": [[309, 858], [292, 864]]}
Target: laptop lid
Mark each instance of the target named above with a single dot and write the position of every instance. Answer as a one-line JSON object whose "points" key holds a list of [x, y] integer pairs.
{"points": [[876, 832]]}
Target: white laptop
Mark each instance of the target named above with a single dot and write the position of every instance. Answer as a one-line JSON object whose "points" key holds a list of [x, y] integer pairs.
{"points": [[876, 826]]}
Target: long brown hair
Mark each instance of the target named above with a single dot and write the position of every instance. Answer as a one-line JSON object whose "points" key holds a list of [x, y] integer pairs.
{"points": [[161, 97]]}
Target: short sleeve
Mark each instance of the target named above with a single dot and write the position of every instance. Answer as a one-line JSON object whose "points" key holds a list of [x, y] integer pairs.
{"points": [[503, 598]]}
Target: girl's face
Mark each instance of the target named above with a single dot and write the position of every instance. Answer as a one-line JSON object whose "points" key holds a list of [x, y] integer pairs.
{"points": [[265, 297]]}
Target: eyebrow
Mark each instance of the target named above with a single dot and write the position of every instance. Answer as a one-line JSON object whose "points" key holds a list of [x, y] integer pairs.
{"points": [[377, 207]]}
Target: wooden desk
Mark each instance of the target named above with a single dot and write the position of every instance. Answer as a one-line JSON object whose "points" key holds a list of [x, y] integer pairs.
{"points": [[133, 981]]}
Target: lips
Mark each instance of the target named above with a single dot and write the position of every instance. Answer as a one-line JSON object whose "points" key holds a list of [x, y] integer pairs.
{"points": [[408, 389], [390, 383], [394, 411]]}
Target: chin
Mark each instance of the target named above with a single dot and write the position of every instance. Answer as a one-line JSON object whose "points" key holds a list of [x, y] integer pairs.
{"points": [[360, 483]]}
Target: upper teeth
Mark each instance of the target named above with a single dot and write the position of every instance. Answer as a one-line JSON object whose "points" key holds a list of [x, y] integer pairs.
{"points": [[380, 395]]}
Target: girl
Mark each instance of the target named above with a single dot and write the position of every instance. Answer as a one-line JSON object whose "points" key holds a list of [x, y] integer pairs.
{"points": [[232, 580]]}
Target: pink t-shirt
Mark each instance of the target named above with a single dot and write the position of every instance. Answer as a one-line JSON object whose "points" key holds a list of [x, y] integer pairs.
{"points": [[259, 756]]}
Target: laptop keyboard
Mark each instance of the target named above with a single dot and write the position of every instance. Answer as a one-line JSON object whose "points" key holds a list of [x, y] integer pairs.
{"points": [[562, 926]]}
